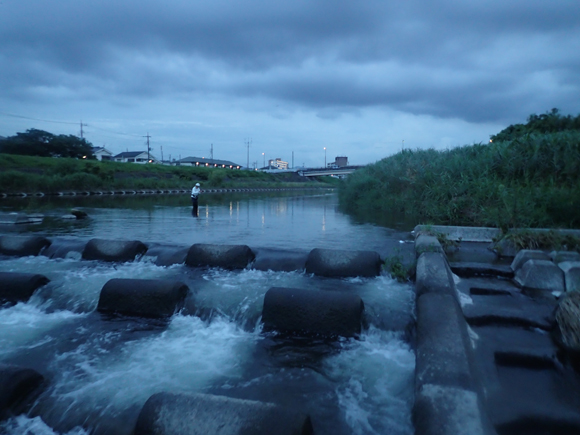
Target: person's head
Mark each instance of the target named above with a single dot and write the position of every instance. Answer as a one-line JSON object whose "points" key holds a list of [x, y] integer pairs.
{"points": [[196, 184]]}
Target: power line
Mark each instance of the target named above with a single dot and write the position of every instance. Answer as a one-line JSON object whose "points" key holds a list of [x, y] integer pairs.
{"points": [[37, 119]]}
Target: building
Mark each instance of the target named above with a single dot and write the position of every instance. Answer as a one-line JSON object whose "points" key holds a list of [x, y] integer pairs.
{"points": [[102, 154], [339, 162], [277, 164], [140, 157], [208, 163]]}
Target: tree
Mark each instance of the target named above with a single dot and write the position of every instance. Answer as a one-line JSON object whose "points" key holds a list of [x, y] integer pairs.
{"points": [[42, 143], [549, 122]]}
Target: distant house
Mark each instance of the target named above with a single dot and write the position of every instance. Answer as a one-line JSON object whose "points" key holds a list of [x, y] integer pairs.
{"points": [[339, 162], [102, 153], [208, 163], [277, 163], [135, 157]]}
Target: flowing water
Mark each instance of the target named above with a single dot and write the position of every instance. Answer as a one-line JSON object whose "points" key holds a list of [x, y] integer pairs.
{"points": [[100, 371]]}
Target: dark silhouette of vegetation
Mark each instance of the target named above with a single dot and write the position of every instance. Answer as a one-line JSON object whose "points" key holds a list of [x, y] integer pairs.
{"points": [[48, 175], [549, 122], [44, 144], [532, 180]]}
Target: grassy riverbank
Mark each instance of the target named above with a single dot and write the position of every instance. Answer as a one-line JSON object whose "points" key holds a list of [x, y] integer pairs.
{"points": [[530, 181], [45, 174]]}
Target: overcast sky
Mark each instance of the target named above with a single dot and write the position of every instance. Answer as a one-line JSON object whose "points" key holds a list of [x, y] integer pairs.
{"points": [[356, 77]]}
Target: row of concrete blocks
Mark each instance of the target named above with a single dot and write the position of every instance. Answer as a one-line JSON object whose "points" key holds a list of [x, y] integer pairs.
{"points": [[291, 310], [287, 310], [558, 271], [138, 192], [170, 414], [322, 262], [448, 397]]}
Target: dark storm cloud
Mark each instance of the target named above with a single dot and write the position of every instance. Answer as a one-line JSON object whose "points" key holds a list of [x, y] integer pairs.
{"points": [[478, 61]]}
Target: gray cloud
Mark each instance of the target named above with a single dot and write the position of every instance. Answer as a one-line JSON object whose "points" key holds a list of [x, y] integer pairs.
{"points": [[478, 61]]}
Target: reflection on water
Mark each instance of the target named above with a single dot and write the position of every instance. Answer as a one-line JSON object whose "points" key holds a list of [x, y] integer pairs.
{"points": [[288, 220]]}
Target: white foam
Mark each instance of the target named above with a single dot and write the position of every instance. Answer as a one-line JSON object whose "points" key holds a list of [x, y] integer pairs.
{"points": [[375, 377], [28, 326], [190, 354], [33, 426]]}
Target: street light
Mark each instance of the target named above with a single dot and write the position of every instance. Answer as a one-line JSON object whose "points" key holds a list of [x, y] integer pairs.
{"points": [[264, 158], [325, 157]]}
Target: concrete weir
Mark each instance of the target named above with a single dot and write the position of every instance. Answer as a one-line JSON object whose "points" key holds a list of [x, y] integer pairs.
{"points": [[16, 287], [203, 414], [113, 250], [312, 312], [142, 297], [22, 246], [19, 386]]}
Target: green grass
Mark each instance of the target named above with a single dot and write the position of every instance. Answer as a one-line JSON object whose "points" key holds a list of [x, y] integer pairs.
{"points": [[531, 181], [45, 174]]}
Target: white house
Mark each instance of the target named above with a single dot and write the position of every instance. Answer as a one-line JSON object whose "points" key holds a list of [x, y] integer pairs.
{"points": [[102, 153], [135, 157]]}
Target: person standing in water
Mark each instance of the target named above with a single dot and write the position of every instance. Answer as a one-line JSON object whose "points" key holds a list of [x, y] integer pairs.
{"points": [[194, 195]]}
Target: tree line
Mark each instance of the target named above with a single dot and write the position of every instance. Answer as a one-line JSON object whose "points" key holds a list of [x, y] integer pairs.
{"points": [[41, 143], [549, 122]]}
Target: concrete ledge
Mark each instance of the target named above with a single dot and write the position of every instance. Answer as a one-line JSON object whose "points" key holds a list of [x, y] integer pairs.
{"points": [[465, 234], [113, 250], [16, 287], [224, 256], [571, 271], [142, 297], [442, 344], [19, 387], [339, 263], [308, 312], [443, 410], [203, 414], [426, 243], [279, 261], [434, 275], [22, 246]]}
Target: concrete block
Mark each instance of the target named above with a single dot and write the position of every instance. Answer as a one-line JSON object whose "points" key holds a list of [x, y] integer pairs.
{"points": [[113, 250], [142, 297], [559, 256], [441, 410], [540, 275], [527, 254], [342, 263], [433, 275], [571, 271], [19, 387], [16, 287], [224, 256], [442, 343], [22, 246], [203, 414], [312, 312]]}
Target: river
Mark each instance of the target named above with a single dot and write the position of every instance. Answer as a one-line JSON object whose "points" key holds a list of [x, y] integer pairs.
{"points": [[101, 371]]}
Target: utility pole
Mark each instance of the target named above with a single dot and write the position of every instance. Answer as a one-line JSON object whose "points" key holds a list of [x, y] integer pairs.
{"points": [[82, 128], [161, 154], [292, 159], [148, 147], [248, 142], [403, 145], [211, 152]]}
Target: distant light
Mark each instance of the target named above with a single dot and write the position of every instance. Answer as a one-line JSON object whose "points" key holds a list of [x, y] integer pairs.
{"points": [[84, 157], [490, 141]]}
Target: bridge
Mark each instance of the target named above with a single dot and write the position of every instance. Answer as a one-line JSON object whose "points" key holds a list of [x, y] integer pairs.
{"points": [[317, 172]]}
